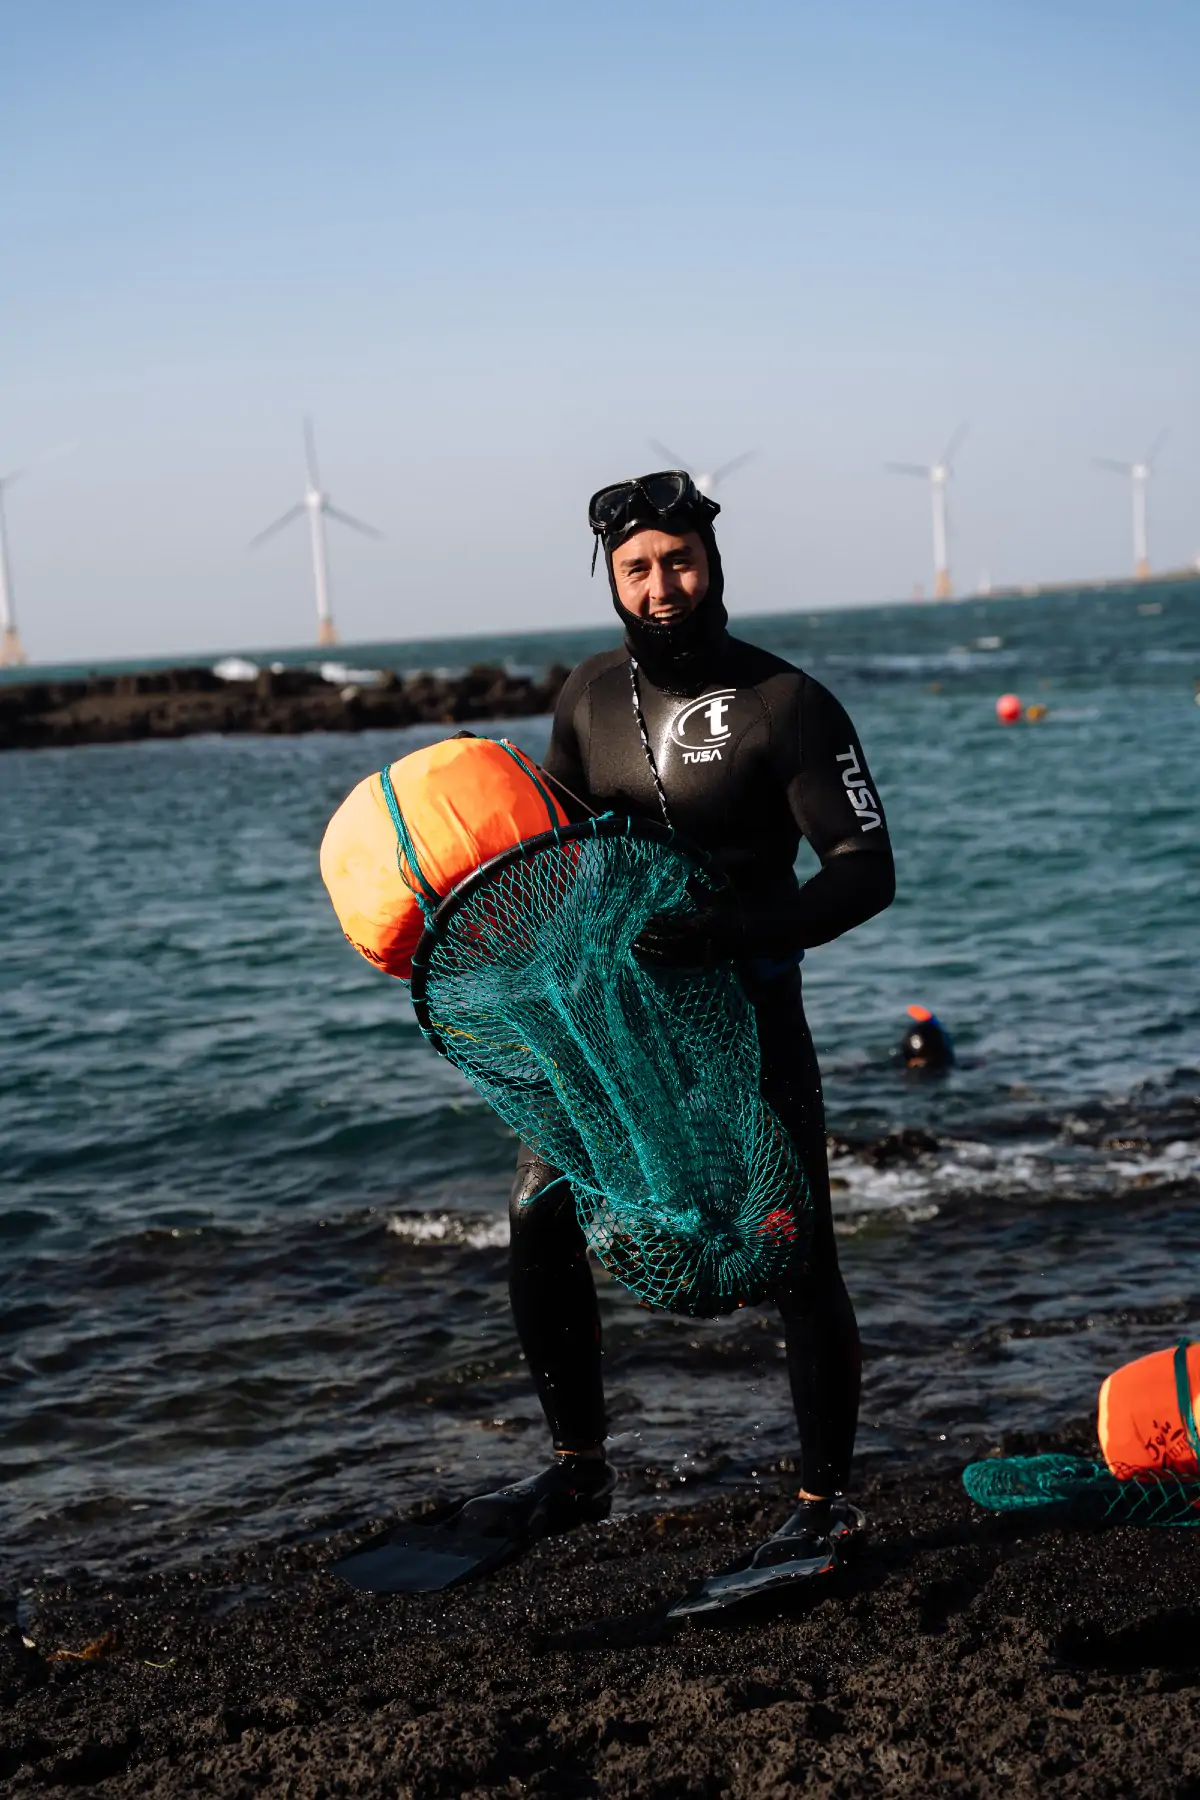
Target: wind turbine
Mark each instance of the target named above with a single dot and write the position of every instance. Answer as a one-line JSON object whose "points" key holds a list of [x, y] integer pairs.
{"points": [[316, 503], [937, 475], [706, 483], [1139, 475], [12, 655]]}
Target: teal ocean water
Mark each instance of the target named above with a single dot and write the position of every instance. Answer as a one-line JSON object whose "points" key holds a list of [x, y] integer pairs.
{"points": [[252, 1235]]}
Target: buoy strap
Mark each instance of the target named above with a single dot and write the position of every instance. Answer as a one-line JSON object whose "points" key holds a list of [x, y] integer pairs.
{"points": [[520, 760], [427, 897], [1183, 1393]]}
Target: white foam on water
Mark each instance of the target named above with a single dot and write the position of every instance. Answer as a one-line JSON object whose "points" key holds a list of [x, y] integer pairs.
{"points": [[910, 1192], [342, 675], [469, 1230], [1010, 1171], [1173, 1162]]}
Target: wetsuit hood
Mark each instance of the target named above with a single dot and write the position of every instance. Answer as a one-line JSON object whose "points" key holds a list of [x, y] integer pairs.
{"points": [[678, 658]]}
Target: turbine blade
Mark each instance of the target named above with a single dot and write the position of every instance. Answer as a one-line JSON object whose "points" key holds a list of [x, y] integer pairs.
{"points": [[293, 512], [39, 462], [735, 462], [955, 441], [56, 450], [1106, 462], [673, 461], [345, 518], [1155, 447], [310, 452], [910, 469]]}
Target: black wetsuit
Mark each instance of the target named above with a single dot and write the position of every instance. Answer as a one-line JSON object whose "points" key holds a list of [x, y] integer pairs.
{"points": [[752, 755]]}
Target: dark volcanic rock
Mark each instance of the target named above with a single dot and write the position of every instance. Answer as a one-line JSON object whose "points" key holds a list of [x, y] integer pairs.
{"points": [[173, 703], [905, 1145], [968, 1656]]}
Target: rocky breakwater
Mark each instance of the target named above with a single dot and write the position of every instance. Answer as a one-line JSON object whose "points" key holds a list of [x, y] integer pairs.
{"points": [[173, 703]]}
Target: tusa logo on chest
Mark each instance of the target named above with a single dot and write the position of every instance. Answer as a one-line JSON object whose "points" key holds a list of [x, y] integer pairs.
{"points": [[700, 728], [861, 798]]}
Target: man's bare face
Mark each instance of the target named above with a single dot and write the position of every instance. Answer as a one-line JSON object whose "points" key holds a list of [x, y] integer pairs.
{"points": [[660, 576]]}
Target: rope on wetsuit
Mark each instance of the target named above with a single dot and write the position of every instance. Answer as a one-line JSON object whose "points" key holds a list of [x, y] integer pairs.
{"points": [[640, 1083], [645, 737]]}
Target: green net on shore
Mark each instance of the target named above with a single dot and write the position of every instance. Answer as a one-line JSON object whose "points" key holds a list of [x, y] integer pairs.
{"points": [[640, 1084], [1083, 1489]]}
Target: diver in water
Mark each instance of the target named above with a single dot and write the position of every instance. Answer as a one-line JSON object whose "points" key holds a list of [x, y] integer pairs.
{"points": [[744, 754], [926, 1045]]}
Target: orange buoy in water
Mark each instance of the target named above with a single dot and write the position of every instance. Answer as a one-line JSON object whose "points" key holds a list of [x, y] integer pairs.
{"points": [[1008, 709], [1149, 1417], [461, 802]]}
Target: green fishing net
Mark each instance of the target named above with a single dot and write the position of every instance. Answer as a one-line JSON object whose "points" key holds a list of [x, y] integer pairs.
{"points": [[640, 1084], [1162, 1489], [1083, 1489]]}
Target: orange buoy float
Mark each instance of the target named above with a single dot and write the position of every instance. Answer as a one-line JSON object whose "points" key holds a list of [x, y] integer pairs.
{"points": [[1008, 709], [1149, 1418], [404, 837]]}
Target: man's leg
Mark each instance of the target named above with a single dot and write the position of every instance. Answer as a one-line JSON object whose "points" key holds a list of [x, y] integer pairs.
{"points": [[554, 1306], [820, 1330]]}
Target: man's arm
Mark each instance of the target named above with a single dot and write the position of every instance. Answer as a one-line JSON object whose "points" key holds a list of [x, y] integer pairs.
{"points": [[564, 760], [837, 806]]}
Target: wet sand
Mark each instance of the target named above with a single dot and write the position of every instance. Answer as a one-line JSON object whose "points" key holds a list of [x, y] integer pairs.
{"points": [[967, 1655]]}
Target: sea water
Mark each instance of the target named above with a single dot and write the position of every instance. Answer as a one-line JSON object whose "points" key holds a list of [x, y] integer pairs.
{"points": [[252, 1233]]}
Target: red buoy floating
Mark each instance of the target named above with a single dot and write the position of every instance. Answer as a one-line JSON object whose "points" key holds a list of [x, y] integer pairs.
{"points": [[1008, 709]]}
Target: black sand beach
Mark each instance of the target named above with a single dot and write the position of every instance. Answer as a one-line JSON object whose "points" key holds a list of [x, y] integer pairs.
{"points": [[966, 1656]]}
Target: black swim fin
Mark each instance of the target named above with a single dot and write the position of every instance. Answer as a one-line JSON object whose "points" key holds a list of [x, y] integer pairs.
{"points": [[795, 1560], [484, 1533], [422, 1559]]}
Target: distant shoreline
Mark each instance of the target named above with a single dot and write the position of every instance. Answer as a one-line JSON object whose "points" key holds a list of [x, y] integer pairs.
{"points": [[537, 646], [187, 702], [1116, 584]]}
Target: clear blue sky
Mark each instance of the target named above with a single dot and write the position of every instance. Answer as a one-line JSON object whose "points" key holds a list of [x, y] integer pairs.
{"points": [[495, 248]]}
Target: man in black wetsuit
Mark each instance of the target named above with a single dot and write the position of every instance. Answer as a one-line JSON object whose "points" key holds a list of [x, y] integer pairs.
{"points": [[744, 754]]}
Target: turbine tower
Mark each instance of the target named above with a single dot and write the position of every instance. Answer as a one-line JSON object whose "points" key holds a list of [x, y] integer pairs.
{"points": [[706, 483], [937, 475], [1139, 475], [317, 504], [12, 655]]}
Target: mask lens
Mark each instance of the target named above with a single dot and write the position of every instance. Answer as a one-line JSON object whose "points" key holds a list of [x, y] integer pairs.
{"points": [[664, 492], [607, 508]]}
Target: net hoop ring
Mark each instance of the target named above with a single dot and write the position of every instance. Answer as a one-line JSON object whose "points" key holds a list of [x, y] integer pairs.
{"points": [[620, 825]]}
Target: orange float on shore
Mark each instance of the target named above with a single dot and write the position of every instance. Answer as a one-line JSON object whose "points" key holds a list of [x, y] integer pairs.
{"points": [[459, 802], [1149, 1418]]}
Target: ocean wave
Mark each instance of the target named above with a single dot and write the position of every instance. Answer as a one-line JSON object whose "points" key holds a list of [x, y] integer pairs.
{"points": [[959, 659], [469, 1230]]}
